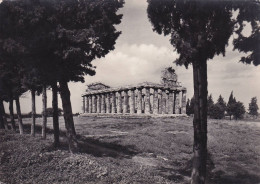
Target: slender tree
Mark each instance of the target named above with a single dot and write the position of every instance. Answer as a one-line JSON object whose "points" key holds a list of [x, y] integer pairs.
{"points": [[188, 107], [210, 104], [11, 110], [253, 107], [231, 105], [239, 110], [3, 120], [219, 108], [2, 112], [199, 30], [55, 114], [44, 114], [19, 115], [192, 105], [222, 103]]}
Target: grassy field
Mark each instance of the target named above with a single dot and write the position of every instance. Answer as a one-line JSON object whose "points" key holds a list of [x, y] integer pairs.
{"points": [[144, 150]]}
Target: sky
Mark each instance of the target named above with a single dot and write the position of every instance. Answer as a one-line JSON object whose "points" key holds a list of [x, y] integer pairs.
{"points": [[140, 54]]}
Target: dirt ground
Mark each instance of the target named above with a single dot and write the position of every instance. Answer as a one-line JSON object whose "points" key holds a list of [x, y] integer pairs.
{"points": [[137, 150]]}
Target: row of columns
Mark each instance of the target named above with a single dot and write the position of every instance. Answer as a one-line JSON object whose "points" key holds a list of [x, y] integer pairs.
{"points": [[132, 101]]}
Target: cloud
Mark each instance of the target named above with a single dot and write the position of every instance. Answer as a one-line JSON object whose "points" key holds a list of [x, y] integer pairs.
{"points": [[131, 64]]}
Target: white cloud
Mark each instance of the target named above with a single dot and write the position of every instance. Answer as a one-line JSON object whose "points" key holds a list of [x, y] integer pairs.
{"points": [[131, 64]]}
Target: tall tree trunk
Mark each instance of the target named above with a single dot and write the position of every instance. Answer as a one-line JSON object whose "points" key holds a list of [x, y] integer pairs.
{"points": [[2, 114], [2, 126], [2, 109], [33, 113], [11, 110], [18, 110], [44, 115], [55, 114], [199, 167], [68, 116]]}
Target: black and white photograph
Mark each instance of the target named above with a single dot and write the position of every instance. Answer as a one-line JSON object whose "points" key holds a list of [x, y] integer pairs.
{"points": [[129, 91]]}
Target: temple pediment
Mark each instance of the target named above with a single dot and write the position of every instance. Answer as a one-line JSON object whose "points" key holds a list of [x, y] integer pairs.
{"points": [[96, 86]]}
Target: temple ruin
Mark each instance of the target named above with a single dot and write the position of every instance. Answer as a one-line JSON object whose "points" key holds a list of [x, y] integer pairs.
{"points": [[169, 97]]}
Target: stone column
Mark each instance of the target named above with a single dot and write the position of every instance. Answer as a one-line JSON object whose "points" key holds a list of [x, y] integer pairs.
{"points": [[132, 101], [167, 104], [87, 105], [98, 103], [183, 103], [163, 101], [143, 102], [108, 109], [159, 101], [113, 95], [90, 103], [177, 102], [171, 102], [155, 101], [94, 104], [103, 103], [125, 103], [119, 104], [83, 108], [147, 101], [139, 100]]}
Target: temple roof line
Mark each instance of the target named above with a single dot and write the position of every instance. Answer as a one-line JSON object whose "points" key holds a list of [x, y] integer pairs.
{"points": [[178, 87]]}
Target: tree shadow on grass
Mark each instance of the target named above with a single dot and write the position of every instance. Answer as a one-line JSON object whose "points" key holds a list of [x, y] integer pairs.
{"points": [[241, 177], [88, 145], [181, 171], [213, 177], [104, 149]]}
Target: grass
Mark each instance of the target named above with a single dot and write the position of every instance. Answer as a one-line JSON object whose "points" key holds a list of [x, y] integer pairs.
{"points": [[138, 150]]}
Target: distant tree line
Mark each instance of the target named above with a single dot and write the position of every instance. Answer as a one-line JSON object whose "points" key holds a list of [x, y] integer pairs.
{"points": [[220, 109]]}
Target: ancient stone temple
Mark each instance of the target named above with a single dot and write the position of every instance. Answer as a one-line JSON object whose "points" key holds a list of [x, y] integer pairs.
{"points": [[169, 97]]}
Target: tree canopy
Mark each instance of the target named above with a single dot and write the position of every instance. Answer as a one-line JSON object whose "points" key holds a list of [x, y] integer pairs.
{"points": [[198, 31], [60, 39], [253, 107]]}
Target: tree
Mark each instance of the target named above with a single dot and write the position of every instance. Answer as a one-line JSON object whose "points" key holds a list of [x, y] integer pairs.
{"points": [[9, 74], [210, 104], [253, 107], [239, 110], [219, 109], [87, 33], [49, 112], [199, 30], [222, 103], [188, 107], [3, 121], [62, 49], [55, 114], [13, 29], [231, 105], [44, 113], [192, 105], [249, 12]]}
